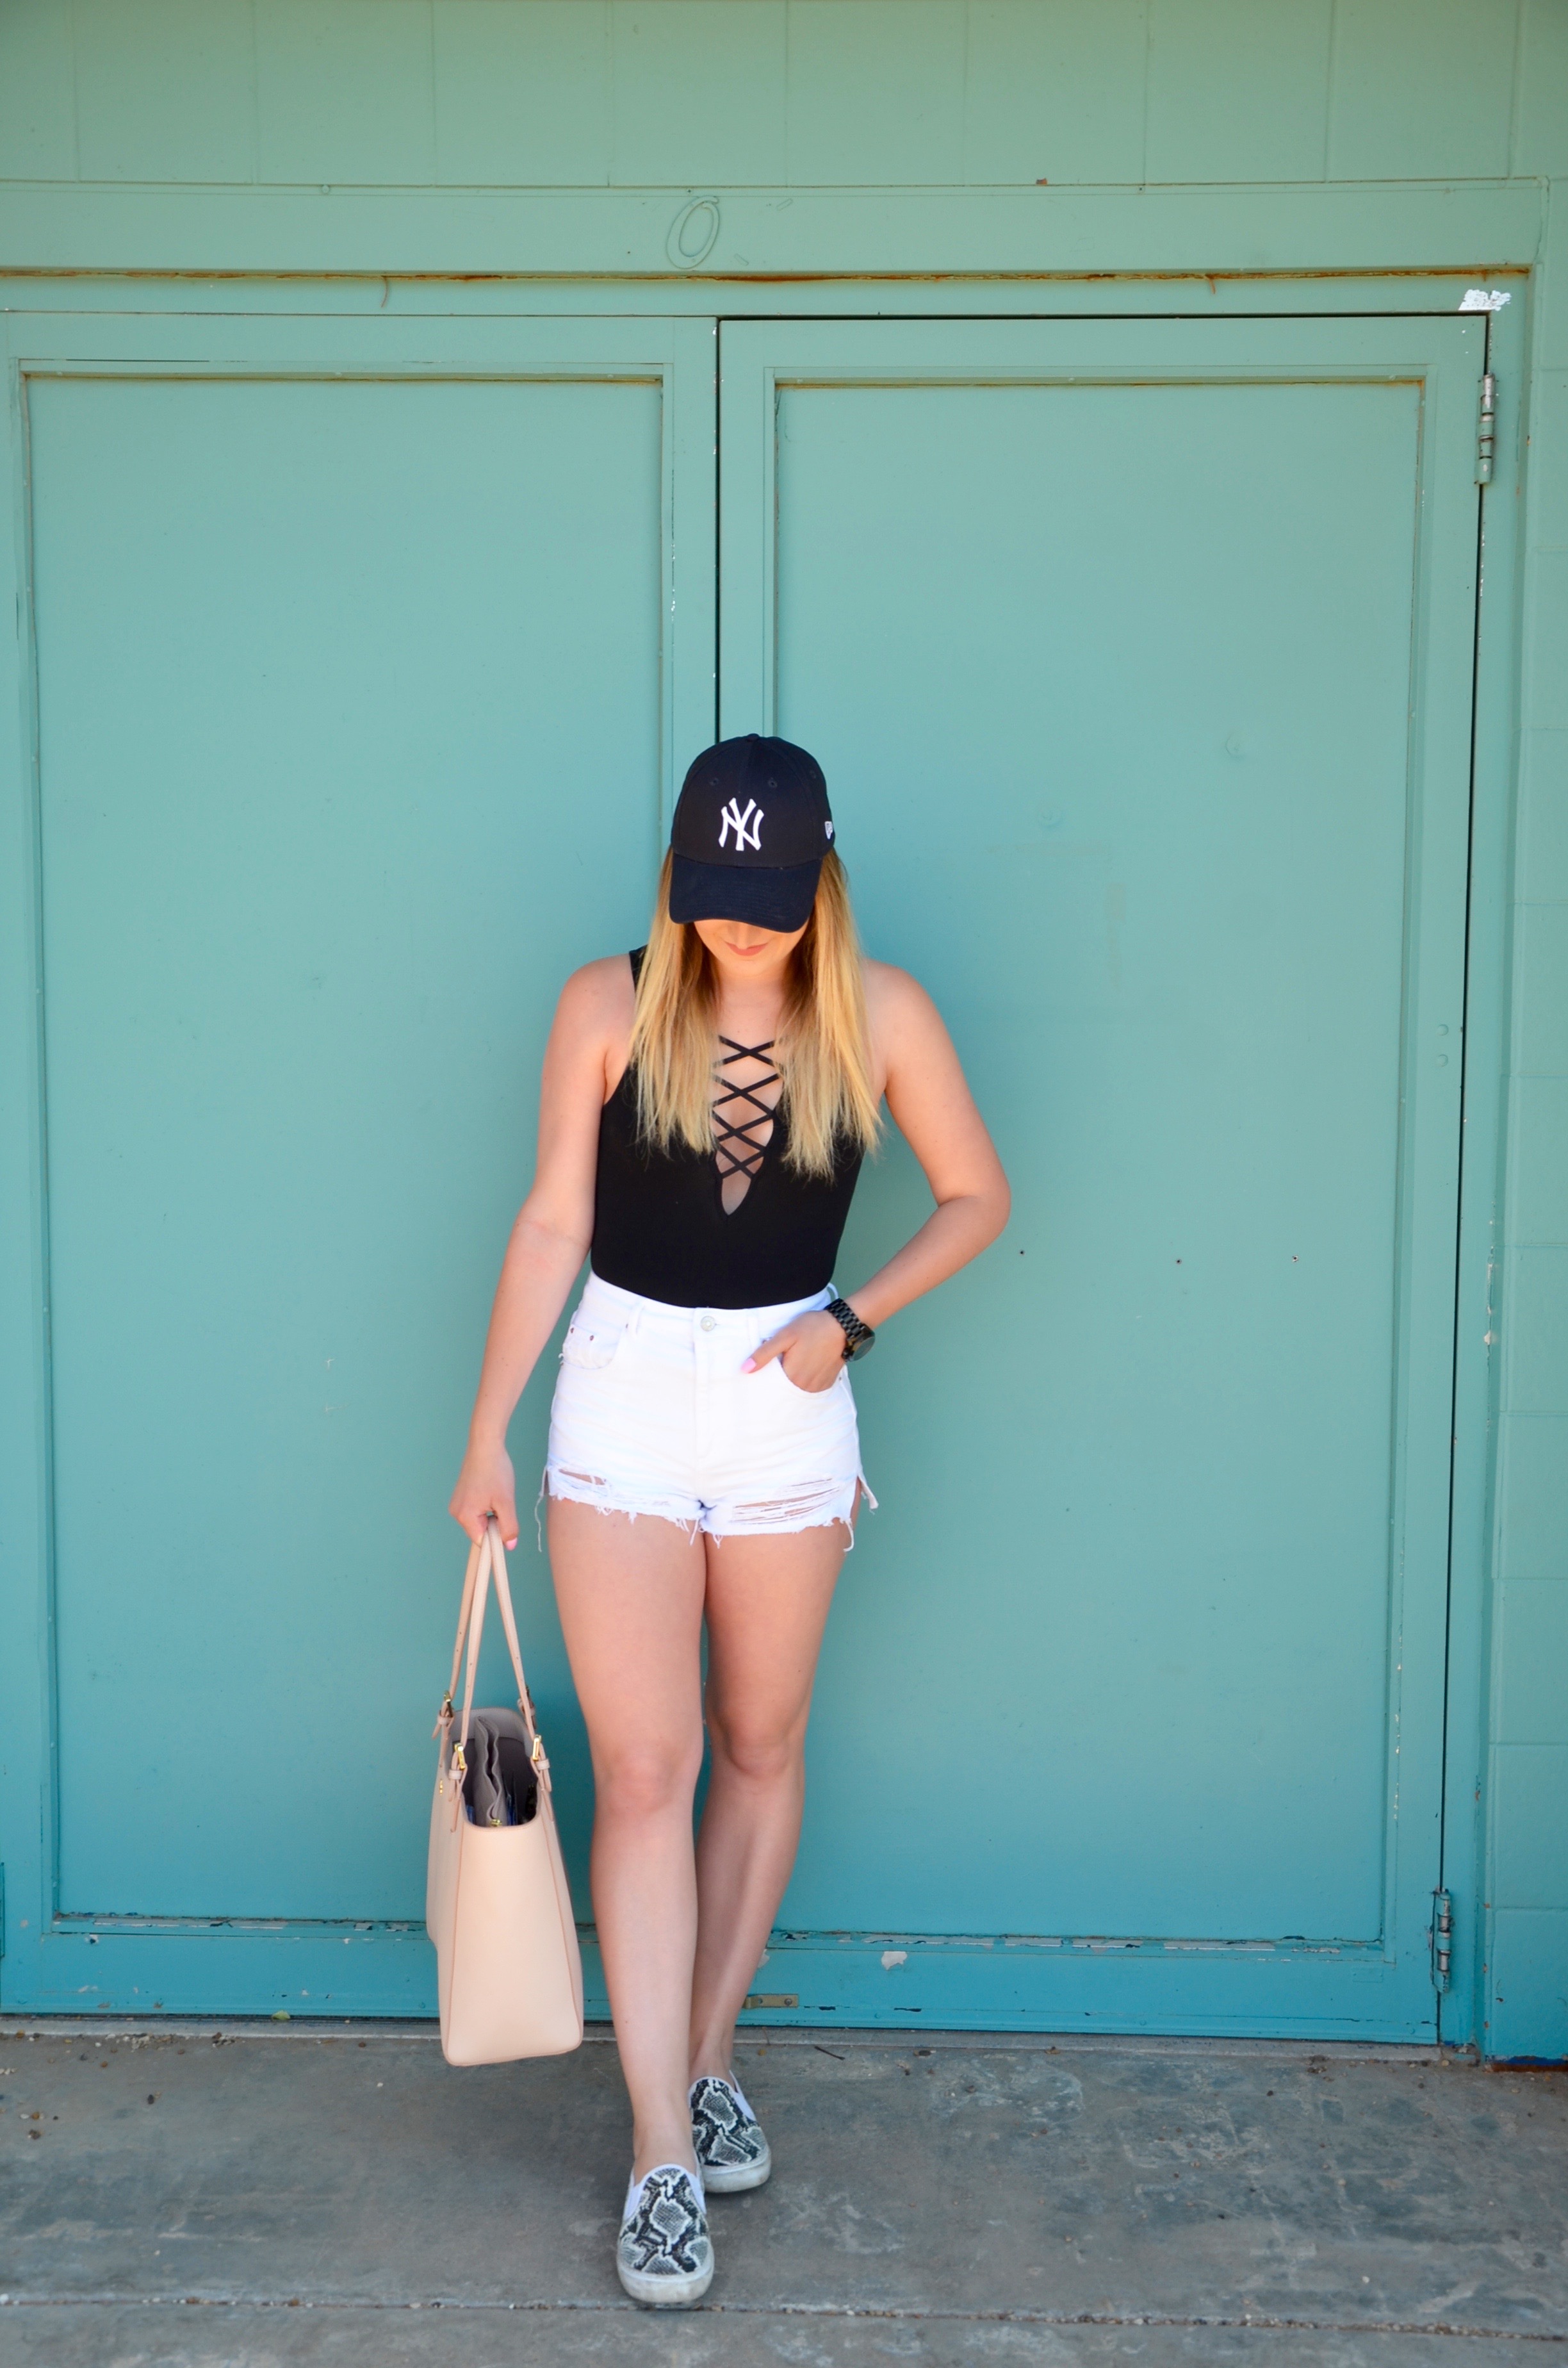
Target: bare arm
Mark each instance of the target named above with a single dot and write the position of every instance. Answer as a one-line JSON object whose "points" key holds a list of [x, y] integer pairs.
{"points": [[934, 1112], [550, 1239]]}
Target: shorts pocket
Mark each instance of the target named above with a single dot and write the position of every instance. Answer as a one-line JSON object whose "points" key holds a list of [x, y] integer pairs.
{"points": [[591, 1346], [806, 1397]]}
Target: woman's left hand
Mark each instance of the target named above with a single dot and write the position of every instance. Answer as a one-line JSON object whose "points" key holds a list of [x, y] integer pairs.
{"points": [[811, 1350]]}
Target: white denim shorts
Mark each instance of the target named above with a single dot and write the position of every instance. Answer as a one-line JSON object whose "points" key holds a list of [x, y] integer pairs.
{"points": [[653, 1414]]}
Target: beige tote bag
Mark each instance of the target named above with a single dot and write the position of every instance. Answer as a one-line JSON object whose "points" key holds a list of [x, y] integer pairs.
{"points": [[497, 1903]]}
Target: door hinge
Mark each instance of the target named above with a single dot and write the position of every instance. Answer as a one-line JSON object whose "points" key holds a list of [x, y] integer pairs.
{"points": [[1486, 429], [1442, 1938]]}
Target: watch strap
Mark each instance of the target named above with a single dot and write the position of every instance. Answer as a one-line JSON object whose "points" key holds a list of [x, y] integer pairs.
{"points": [[858, 1335]]}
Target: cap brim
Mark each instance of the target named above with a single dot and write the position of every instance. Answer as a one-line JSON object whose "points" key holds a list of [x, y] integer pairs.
{"points": [[765, 895]]}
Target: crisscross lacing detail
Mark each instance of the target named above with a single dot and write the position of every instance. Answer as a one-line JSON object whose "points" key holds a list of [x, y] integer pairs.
{"points": [[728, 1133]]}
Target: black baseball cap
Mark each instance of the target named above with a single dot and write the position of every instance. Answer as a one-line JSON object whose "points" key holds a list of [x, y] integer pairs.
{"points": [[752, 825]]}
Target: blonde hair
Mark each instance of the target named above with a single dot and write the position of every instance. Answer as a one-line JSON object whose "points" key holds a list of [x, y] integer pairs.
{"points": [[822, 1051]]}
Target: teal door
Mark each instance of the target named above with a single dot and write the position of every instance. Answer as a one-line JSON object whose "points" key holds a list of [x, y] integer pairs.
{"points": [[359, 658], [1139, 659], [357, 690]]}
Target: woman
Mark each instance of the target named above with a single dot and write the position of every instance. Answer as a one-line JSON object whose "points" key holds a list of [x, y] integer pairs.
{"points": [[706, 1106]]}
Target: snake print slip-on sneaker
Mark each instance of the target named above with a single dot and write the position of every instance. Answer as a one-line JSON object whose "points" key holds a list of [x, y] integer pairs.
{"points": [[729, 2144], [664, 2255]]}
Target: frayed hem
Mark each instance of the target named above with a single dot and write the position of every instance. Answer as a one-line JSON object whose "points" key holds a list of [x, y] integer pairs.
{"points": [[571, 1489], [561, 1489], [785, 1529], [819, 1518]]}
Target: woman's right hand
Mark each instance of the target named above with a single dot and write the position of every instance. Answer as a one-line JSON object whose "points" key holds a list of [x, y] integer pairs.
{"points": [[486, 1486]]}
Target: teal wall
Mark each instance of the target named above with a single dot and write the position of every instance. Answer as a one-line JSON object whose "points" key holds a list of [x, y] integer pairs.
{"points": [[1212, 140], [794, 94]]}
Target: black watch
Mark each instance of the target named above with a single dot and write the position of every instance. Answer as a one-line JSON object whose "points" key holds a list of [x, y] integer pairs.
{"points": [[857, 1336]]}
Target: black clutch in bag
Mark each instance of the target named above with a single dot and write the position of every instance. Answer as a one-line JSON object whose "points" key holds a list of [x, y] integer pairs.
{"points": [[500, 1783]]}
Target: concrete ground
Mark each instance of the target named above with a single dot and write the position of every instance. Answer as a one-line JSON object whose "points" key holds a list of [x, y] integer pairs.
{"points": [[333, 2195]]}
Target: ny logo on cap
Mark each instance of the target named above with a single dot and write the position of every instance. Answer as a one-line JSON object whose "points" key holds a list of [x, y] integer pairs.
{"points": [[746, 831]]}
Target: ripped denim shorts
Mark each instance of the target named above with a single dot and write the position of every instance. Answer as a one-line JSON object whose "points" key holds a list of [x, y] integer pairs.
{"points": [[653, 1414]]}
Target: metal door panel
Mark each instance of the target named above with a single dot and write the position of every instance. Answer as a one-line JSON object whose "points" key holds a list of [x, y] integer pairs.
{"points": [[1139, 657], [356, 700]]}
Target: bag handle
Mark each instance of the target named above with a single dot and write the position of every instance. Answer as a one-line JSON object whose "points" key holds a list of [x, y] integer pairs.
{"points": [[487, 1557], [443, 1716], [503, 1597]]}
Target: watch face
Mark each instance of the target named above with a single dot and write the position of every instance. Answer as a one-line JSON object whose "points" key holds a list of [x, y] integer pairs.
{"points": [[859, 1347]]}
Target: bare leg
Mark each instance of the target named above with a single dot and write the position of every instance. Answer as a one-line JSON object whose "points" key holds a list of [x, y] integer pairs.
{"points": [[630, 1598], [768, 1604]]}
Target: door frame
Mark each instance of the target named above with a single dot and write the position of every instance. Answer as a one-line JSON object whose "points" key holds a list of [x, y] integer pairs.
{"points": [[123, 308]]}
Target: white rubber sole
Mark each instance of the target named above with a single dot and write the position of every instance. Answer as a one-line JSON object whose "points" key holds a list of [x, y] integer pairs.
{"points": [[735, 2179], [665, 2294]]}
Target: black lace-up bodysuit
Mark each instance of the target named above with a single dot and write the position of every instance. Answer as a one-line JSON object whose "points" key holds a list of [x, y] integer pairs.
{"points": [[661, 1226]]}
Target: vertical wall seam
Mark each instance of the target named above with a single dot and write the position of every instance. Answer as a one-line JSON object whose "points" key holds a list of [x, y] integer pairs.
{"points": [[434, 111], [789, 106], [717, 487], [963, 97], [1521, 7], [254, 98], [75, 97], [606, 90], [1329, 95], [1143, 136], [612, 118]]}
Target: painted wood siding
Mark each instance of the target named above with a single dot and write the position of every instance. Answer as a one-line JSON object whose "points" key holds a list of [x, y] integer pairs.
{"points": [[1184, 135], [776, 93]]}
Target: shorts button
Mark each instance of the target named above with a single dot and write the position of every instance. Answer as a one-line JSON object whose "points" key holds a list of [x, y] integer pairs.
{"points": [[709, 1323]]}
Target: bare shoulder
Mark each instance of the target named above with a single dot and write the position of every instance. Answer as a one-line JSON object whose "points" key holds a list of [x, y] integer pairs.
{"points": [[598, 1000], [898, 1008]]}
